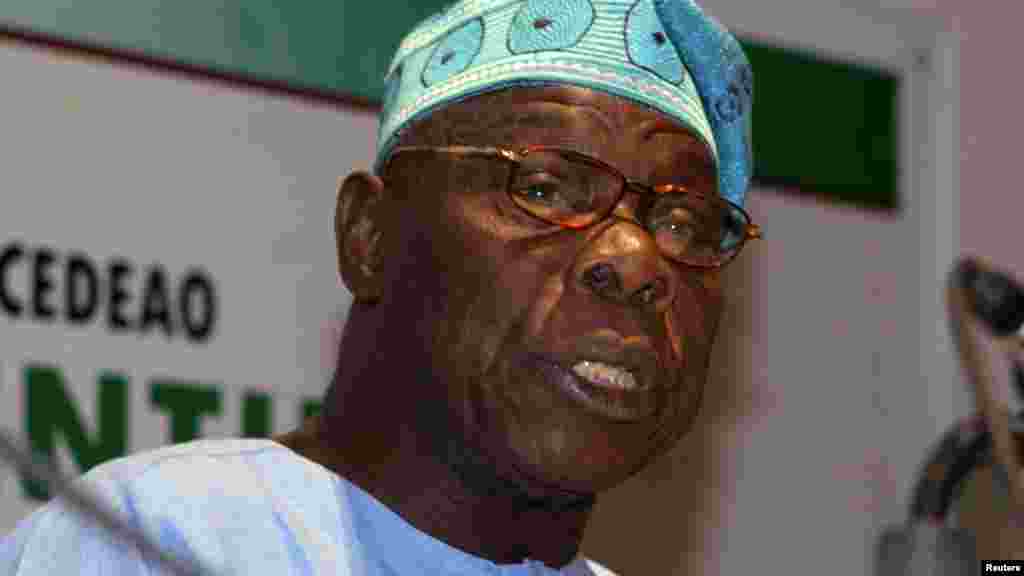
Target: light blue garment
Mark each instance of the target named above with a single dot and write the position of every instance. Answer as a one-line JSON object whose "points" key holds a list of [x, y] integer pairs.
{"points": [[243, 507]]}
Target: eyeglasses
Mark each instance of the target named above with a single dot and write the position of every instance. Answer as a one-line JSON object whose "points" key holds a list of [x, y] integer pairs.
{"points": [[574, 191]]}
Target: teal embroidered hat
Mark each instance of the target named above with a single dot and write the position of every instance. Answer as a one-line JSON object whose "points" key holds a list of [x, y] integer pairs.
{"points": [[666, 54]]}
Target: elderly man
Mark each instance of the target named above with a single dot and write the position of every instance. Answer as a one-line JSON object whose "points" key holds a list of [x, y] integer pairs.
{"points": [[535, 264]]}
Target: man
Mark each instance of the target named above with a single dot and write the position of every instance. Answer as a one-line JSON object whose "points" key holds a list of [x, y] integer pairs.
{"points": [[535, 263]]}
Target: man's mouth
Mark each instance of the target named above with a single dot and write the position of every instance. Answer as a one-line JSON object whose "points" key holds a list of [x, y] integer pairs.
{"points": [[608, 390], [605, 376]]}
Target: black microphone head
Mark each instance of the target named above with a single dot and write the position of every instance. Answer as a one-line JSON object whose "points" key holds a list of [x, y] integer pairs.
{"points": [[995, 298], [924, 549]]}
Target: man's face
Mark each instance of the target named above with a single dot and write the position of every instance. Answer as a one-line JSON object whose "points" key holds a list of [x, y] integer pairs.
{"points": [[507, 304]]}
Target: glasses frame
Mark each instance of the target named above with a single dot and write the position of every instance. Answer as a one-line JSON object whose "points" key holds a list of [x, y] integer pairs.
{"points": [[752, 231]]}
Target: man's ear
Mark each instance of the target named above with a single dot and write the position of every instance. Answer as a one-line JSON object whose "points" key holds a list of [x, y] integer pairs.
{"points": [[358, 226]]}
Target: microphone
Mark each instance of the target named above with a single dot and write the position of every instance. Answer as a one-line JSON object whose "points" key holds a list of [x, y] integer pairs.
{"points": [[926, 549], [980, 294], [995, 298], [93, 508], [926, 545]]}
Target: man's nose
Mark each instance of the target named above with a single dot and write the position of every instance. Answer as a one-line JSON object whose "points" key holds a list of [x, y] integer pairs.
{"points": [[622, 264]]}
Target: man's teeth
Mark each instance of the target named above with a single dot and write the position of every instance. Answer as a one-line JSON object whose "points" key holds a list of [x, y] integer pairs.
{"points": [[604, 375]]}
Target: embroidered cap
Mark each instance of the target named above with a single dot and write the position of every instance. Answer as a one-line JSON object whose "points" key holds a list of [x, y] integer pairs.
{"points": [[665, 54]]}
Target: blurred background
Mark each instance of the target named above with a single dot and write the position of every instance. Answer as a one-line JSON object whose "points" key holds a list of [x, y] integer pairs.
{"points": [[167, 266]]}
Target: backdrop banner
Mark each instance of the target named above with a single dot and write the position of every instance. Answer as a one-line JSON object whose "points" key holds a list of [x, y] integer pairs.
{"points": [[167, 260]]}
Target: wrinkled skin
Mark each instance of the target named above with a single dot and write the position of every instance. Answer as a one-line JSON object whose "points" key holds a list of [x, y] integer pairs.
{"points": [[434, 410]]}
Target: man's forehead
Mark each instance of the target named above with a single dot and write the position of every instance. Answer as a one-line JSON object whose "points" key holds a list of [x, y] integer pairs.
{"points": [[571, 112]]}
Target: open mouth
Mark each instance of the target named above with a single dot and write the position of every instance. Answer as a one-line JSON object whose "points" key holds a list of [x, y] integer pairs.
{"points": [[607, 390], [606, 376]]}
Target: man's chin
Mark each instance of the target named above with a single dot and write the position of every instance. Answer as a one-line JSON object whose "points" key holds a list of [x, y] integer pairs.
{"points": [[583, 476], [496, 473], [534, 472], [565, 450], [536, 433]]}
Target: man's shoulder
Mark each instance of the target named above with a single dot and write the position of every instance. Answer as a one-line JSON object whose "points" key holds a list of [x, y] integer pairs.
{"points": [[232, 479], [197, 453], [213, 499]]}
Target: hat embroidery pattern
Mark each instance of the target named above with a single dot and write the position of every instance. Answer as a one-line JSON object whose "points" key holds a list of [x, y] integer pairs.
{"points": [[486, 71], [455, 53], [549, 25], [736, 100], [647, 45], [425, 32]]}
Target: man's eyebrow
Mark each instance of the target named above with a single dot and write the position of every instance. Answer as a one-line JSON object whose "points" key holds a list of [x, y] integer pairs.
{"points": [[572, 102], [658, 126], [523, 118], [694, 155], [696, 161], [688, 167]]}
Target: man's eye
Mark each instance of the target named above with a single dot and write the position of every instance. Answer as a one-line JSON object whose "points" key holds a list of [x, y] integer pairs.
{"points": [[542, 192], [678, 227]]}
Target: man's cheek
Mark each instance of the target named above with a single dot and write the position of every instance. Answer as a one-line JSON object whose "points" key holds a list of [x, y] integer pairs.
{"points": [[690, 322]]}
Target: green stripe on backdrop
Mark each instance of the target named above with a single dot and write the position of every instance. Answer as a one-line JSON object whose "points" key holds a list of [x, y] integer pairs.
{"points": [[821, 127], [825, 128]]}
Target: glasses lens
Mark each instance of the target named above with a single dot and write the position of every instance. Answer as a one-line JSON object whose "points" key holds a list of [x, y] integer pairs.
{"points": [[695, 229], [564, 188], [734, 228]]}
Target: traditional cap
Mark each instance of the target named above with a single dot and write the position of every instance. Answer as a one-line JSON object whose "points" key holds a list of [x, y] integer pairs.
{"points": [[666, 54]]}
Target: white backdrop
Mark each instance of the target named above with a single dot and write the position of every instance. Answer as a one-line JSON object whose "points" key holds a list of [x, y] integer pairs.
{"points": [[121, 162]]}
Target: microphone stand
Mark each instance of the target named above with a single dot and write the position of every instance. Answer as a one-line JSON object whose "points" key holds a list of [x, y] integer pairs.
{"points": [[975, 364]]}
